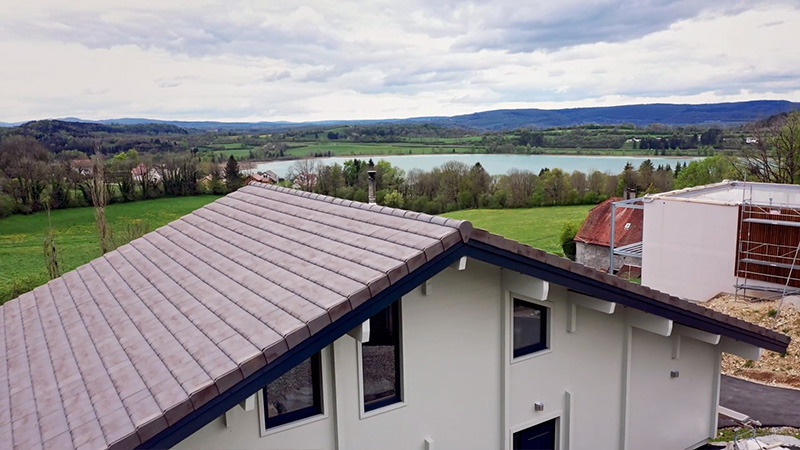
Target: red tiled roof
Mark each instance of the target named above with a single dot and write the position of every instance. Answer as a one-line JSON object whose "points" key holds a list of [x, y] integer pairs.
{"points": [[596, 228]]}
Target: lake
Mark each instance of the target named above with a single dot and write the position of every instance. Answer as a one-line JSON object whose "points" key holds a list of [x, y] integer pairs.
{"points": [[497, 164]]}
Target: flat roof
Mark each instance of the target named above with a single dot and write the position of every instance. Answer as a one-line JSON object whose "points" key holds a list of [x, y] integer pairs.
{"points": [[736, 193]]}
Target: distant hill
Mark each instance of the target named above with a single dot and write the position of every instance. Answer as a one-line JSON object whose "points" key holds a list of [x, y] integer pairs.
{"points": [[663, 113], [59, 135], [210, 125], [86, 128], [507, 119]]}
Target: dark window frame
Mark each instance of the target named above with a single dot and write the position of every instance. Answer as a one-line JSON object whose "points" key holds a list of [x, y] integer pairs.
{"points": [[552, 425], [398, 382], [303, 413], [544, 329]]}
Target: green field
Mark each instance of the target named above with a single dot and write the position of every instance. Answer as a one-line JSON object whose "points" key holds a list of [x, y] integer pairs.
{"points": [[355, 149], [350, 149], [537, 227], [22, 260]]}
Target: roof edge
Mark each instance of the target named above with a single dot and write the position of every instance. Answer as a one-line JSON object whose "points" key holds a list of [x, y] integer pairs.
{"points": [[643, 298]]}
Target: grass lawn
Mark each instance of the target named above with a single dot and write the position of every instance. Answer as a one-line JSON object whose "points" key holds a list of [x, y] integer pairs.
{"points": [[22, 263], [238, 153], [537, 227]]}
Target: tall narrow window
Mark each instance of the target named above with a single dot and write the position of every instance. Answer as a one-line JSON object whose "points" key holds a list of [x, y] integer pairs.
{"points": [[297, 394], [380, 359], [530, 327]]}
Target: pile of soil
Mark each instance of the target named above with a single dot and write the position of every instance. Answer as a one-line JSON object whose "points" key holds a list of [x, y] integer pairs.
{"points": [[773, 368]]}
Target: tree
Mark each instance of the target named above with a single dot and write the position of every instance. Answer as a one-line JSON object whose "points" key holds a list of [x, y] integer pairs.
{"points": [[26, 163], [712, 137], [303, 173], [216, 186], [50, 250], [329, 179], [775, 158], [100, 200], [232, 177], [394, 199], [706, 171], [646, 173], [556, 186], [629, 178]]}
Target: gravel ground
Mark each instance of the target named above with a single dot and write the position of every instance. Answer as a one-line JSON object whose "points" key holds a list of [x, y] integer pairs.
{"points": [[773, 368]]}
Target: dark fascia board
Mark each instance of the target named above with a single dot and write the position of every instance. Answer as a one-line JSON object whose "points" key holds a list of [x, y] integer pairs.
{"points": [[598, 289], [216, 407]]}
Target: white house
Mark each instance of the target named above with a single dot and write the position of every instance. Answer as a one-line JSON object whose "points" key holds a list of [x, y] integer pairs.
{"points": [[701, 241], [280, 319]]}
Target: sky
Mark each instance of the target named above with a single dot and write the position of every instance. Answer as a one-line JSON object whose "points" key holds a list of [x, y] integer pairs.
{"points": [[270, 60]]}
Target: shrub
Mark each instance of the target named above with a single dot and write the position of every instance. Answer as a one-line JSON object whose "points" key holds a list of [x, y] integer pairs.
{"points": [[7, 205], [361, 196], [567, 238]]}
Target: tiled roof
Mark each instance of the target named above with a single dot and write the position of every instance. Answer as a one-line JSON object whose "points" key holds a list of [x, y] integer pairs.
{"points": [[117, 351], [112, 353], [596, 228]]}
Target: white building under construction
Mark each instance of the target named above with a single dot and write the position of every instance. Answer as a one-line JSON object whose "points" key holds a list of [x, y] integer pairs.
{"points": [[731, 236]]}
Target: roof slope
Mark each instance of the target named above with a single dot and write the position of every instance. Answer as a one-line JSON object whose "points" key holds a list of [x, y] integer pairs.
{"points": [[596, 229], [179, 324], [115, 351]]}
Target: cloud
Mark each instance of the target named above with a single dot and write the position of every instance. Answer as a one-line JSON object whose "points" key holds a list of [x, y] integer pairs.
{"points": [[325, 59]]}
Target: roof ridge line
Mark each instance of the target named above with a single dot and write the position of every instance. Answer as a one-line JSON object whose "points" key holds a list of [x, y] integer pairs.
{"points": [[464, 227]]}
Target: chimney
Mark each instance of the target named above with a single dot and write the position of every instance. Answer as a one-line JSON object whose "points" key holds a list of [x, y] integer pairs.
{"points": [[371, 172], [630, 193]]}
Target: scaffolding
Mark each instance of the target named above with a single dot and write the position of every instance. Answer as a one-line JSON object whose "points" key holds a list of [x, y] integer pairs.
{"points": [[767, 250]]}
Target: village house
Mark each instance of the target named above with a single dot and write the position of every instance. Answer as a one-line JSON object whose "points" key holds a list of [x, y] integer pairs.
{"points": [[593, 241], [279, 319], [727, 237], [143, 171], [269, 177]]}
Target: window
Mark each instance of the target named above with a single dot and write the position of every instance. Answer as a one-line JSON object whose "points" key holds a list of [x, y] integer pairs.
{"points": [[380, 359], [530, 327], [295, 395], [539, 437]]}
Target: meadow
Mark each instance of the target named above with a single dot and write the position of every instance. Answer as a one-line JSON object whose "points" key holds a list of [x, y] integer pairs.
{"points": [[22, 262], [537, 227], [421, 148], [354, 149]]}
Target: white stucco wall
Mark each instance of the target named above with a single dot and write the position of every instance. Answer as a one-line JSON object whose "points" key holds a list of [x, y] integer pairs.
{"points": [[670, 412], [587, 363], [689, 248], [462, 388]]}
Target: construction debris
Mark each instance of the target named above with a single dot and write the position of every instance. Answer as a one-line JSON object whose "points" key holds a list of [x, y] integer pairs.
{"points": [[773, 368]]}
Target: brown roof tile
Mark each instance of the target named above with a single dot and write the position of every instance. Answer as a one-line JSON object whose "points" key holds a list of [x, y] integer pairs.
{"points": [[110, 354]]}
